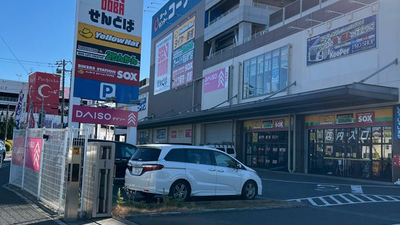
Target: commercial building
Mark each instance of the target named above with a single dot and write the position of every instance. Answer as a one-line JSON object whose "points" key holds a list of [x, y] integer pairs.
{"points": [[308, 86]]}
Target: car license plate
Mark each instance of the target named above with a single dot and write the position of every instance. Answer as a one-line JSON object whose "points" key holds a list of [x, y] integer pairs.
{"points": [[137, 170]]}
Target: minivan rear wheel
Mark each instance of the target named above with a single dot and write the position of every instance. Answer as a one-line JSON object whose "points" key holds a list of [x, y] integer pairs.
{"points": [[249, 190], [180, 191]]}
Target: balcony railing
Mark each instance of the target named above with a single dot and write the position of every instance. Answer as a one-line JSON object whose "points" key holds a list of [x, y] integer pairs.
{"points": [[222, 15]]}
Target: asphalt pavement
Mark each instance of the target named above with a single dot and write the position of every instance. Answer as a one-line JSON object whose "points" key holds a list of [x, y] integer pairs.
{"points": [[14, 207]]}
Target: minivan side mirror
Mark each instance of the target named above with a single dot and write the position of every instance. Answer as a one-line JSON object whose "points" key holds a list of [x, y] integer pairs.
{"points": [[239, 166]]}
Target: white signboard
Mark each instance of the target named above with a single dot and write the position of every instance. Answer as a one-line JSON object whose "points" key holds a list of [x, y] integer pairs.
{"points": [[162, 73]]}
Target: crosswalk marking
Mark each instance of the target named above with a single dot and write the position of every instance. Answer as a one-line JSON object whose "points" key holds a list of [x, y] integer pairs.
{"points": [[348, 200], [345, 199], [372, 200], [358, 199]]}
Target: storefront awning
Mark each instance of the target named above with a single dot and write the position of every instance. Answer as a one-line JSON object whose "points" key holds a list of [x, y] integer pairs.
{"points": [[356, 94]]}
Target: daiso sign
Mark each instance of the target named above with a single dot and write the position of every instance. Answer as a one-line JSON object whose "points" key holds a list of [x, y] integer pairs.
{"points": [[86, 114]]}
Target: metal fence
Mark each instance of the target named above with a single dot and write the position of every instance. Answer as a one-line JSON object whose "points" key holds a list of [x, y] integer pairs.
{"points": [[39, 163]]}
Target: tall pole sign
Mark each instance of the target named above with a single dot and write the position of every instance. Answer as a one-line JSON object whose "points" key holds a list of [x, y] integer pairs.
{"points": [[107, 52]]}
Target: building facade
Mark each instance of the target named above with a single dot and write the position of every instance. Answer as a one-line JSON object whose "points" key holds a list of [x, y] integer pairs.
{"points": [[299, 86]]}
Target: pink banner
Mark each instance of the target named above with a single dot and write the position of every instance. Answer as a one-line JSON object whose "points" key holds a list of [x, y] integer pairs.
{"points": [[34, 148], [86, 114], [18, 151], [216, 80]]}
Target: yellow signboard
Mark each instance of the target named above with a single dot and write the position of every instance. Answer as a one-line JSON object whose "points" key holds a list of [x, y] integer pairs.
{"points": [[184, 33], [108, 38]]}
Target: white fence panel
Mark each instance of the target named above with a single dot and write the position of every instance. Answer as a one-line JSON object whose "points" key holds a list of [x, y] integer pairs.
{"points": [[40, 160], [18, 150]]}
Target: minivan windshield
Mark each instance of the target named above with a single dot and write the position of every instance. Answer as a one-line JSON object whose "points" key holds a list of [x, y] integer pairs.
{"points": [[146, 154]]}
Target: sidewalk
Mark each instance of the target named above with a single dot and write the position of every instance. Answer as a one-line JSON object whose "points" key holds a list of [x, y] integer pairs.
{"points": [[16, 207]]}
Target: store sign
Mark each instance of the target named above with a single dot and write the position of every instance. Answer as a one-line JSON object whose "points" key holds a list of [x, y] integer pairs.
{"points": [[93, 115], [184, 33], [326, 120], [365, 117], [44, 91], [216, 80], [267, 124], [108, 48], [108, 38], [170, 13], [108, 73], [279, 123], [173, 134], [183, 53], [345, 118], [163, 58], [142, 105], [343, 41]]}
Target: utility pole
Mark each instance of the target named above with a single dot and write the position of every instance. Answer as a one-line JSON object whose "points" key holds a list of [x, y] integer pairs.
{"points": [[8, 108], [62, 94]]}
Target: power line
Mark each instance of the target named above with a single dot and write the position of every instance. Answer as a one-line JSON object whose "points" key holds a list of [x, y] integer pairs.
{"points": [[26, 61], [13, 54]]}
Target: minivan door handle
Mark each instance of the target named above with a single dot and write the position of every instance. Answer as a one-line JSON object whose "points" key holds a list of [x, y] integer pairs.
{"points": [[221, 171], [211, 169]]}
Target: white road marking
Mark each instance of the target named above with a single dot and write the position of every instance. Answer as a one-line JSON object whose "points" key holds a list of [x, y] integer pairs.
{"points": [[372, 200], [357, 189], [343, 199], [358, 199], [348, 200]]}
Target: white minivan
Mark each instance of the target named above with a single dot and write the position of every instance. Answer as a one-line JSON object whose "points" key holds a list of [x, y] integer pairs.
{"points": [[183, 171]]}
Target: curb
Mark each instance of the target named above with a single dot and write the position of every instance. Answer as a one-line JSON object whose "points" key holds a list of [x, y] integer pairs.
{"points": [[387, 183], [291, 205]]}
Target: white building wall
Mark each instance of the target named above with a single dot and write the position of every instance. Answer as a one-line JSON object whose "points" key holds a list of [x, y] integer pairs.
{"points": [[334, 72]]}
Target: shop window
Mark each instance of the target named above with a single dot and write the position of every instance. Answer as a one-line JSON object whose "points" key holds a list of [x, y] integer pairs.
{"points": [[387, 135], [352, 135], [341, 136], [320, 136], [266, 73], [329, 136], [364, 135], [376, 134], [329, 151], [313, 136], [365, 152], [387, 152], [376, 152], [260, 75]]}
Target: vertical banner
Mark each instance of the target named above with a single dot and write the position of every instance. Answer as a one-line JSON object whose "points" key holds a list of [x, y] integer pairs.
{"points": [[183, 53], [18, 110], [162, 75], [397, 122]]}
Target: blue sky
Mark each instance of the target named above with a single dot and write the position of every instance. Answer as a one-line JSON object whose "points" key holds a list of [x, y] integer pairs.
{"points": [[41, 32]]}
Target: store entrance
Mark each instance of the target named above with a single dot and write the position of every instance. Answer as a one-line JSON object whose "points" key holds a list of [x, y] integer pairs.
{"points": [[359, 152], [267, 150]]}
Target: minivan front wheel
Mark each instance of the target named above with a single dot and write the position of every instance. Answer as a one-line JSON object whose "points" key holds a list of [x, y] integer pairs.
{"points": [[180, 191], [249, 190]]}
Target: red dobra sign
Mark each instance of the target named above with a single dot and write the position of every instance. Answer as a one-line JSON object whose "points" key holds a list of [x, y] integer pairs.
{"points": [[86, 114]]}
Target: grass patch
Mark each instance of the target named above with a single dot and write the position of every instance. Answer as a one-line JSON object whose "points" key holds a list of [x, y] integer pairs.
{"points": [[124, 208]]}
